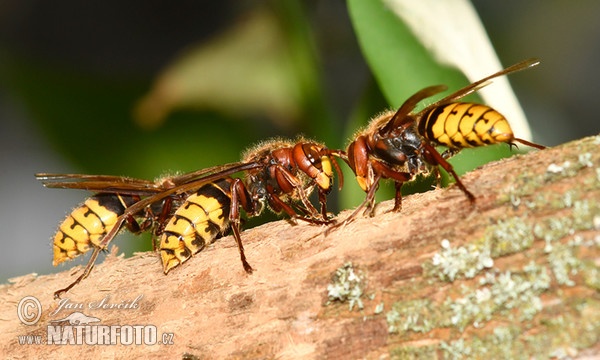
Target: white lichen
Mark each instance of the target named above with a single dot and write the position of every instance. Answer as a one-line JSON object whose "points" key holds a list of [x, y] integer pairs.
{"points": [[563, 263], [411, 315], [500, 293], [346, 285], [509, 236], [456, 349], [461, 261], [585, 159], [558, 169]]}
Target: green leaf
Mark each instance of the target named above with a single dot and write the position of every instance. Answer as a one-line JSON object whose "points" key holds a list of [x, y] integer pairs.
{"points": [[400, 63]]}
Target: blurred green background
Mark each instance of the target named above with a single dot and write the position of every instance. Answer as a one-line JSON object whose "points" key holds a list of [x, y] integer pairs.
{"points": [[148, 88]]}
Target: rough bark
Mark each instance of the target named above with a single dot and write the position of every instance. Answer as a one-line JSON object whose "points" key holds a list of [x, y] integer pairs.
{"points": [[516, 275]]}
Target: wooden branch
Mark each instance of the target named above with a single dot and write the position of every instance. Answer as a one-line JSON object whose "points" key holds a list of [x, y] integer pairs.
{"points": [[515, 276]]}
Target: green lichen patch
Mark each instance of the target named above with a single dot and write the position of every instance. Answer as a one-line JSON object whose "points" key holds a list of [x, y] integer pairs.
{"points": [[577, 327], [516, 295], [565, 169], [508, 294], [553, 229], [511, 296], [591, 275], [347, 285], [452, 263], [562, 256], [541, 301], [502, 343], [564, 263], [559, 336], [525, 184], [586, 214], [537, 199], [414, 352], [413, 315], [508, 237], [569, 168], [505, 237], [585, 159]]}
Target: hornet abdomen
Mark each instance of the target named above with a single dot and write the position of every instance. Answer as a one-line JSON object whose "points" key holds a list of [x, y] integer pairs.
{"points": [[87, 224], [463, 125], [203, 218]]}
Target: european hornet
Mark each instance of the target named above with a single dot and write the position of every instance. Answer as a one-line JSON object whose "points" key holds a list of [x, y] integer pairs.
{"points": [[400, 144], [187, 212], [282, 176]]}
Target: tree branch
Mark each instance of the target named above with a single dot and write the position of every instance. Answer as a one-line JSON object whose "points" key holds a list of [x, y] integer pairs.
{"points": [[517, 274]]}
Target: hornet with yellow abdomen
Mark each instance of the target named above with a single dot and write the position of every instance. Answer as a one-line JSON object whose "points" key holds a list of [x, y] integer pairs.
{"points": [[400, 144], [88, 224], [202, 219], [96, 221], [286, 174], [189, 211]]}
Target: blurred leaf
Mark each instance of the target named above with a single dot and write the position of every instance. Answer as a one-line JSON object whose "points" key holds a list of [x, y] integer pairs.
{"points": [[264, 66], [243, 72]]}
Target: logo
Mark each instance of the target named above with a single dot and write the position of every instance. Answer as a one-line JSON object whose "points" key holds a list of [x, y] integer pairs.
{"points": [[78, 331], [78, 318], [29, 310], [105, 304], [79, 328]]}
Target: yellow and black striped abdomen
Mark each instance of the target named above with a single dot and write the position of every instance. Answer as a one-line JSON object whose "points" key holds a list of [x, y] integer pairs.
{"points": [[203, 217], [462, 125], [87, 224]]}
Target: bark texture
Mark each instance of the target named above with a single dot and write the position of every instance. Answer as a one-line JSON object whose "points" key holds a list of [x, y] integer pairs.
{"points": [[514, 276]]}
